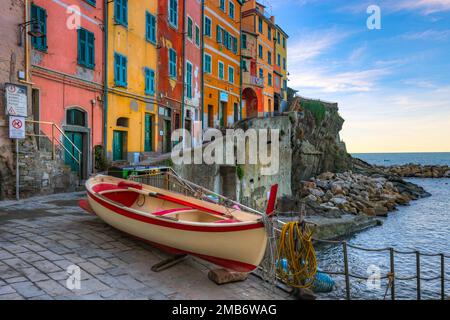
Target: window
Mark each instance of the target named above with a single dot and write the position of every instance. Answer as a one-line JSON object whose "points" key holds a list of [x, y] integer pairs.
{"points": [[222, 5], [269, 79], [207, 27], [261, 73], [278, 37], [244, 41], [285, 84], [230, 74], [40, 16], [279, 60], [120, 70], [284, 43], [76, 117], [260, 25], [173, 12], [284, 63], [221, 70], [86, 48], [149, 81], [197, 35], [91, 2], [235, 45], [207, 63], [269, 57], [231, 9], [172, 63], [277, 81], [260, 51], [219, 32], [150, 31], [121, 12], [269, 32], [188, 79], [189, 28]]}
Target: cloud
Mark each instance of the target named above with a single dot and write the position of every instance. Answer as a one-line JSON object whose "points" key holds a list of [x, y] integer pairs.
{"points": [[427, 35], [425, 7], [312, 44]]}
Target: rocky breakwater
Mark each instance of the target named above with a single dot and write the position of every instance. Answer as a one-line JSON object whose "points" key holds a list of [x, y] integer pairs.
{"points": [[332, 195], [417, 171], [343, 203]]}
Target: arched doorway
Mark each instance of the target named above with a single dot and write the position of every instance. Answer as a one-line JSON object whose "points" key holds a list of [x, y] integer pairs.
{"points": [[251, 102]]}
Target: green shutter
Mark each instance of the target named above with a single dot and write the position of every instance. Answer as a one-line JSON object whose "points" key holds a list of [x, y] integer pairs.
{"points": [[148, 133]]}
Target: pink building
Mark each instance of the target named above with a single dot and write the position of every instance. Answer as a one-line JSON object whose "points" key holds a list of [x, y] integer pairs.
{"points": [[67, 75], [193, 64]]}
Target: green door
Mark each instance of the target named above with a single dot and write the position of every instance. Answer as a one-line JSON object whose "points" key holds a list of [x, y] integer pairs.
{"points": [[73, 138], [118, 141], [148, 133]]}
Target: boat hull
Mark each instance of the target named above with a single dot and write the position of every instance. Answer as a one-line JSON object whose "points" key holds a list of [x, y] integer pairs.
{"points": [[239, 247]]}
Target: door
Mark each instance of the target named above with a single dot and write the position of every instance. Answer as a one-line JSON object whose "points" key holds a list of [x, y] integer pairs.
{"points": [[223, 114], [148, 136], [72, 155], [210, 116], [167, 146], [118, 145]]}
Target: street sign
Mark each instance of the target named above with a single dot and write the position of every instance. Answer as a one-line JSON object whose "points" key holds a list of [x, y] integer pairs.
{"points": [[16, 127], [16, 100]]}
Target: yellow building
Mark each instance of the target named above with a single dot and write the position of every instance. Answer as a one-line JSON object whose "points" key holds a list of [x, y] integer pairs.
{"points": [[132, 123], [255, 20], [221, 63], [280, 70]]}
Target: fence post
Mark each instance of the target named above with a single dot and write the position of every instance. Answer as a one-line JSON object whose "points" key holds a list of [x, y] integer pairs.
{"points": [[347, 277], [418, 274], [442, 277], [391, 254]]}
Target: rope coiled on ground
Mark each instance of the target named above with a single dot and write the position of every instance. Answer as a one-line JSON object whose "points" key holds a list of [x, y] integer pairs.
{"points": [[295, 245]]}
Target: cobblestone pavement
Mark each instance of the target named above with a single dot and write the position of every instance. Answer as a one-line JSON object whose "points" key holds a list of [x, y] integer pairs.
{"points": [[41, 237]]}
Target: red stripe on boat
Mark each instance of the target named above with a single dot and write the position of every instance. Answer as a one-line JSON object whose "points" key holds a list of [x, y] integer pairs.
{"points": [[219, 227]]}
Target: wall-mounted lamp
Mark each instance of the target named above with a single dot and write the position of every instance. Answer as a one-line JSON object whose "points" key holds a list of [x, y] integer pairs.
{"points": [[34, 32]]}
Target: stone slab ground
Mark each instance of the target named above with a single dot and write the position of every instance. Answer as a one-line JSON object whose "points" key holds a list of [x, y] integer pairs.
{"points": [[41, 237]]}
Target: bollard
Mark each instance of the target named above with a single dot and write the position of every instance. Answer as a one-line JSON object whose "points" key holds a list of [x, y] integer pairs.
{"points": [[347, 278], [418, 274], [391, 255], [442, 277]]}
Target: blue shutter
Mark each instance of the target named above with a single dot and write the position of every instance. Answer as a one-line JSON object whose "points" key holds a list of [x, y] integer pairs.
{"points": [[152, 81], [124, 66], [90, 49]]}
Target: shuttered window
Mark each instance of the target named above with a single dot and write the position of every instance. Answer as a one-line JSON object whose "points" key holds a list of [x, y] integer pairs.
{"points": [[39, 15], [150, 22], [188, 80], [120, 70], [86, 48], [173, 12], [172, 63], [149, 81], [121, 12]]}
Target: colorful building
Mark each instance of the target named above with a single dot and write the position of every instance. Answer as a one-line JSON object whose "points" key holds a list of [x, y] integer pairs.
{"points": [[170, 66], [221, 63], [280, 70], [252, 84], [193, 65], [255, 20], [131, 75], [67, 74]]}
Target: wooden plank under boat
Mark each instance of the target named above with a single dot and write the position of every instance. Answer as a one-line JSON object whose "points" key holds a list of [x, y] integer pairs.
{"points": [[225, 236]]}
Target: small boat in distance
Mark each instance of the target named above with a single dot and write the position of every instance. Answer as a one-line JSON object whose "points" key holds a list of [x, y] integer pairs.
{"points": [[228, 237]]}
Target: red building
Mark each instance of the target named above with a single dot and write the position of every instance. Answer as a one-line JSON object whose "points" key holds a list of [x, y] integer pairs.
{"points": [[193, 64], [170, 73], [67, 73]]}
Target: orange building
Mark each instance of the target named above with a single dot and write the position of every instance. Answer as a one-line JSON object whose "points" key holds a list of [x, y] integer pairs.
{"points": [[221, 63], [280, 70], [256, 21]]}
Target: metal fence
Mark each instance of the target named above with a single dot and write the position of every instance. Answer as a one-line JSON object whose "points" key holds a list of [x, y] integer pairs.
{"points": [[391, 275]]}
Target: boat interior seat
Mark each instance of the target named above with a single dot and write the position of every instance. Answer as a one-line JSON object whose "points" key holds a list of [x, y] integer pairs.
{"points": [[163, 212]]}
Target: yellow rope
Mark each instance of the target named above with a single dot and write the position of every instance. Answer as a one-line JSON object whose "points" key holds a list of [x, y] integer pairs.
{"points": [[295, 245]]}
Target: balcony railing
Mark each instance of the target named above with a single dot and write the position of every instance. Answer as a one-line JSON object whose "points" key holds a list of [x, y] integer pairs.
{"points": [[257, 81]]}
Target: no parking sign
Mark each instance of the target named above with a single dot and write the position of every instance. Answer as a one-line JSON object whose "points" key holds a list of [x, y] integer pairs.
{"points": [[16, 127]]}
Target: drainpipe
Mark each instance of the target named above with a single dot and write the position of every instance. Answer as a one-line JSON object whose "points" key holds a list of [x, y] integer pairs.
{"points": [[183, 54], [202, 66], [240, 64], [105, 78]]}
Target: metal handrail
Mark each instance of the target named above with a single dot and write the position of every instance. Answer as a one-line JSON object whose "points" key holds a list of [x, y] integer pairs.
{"points": [[53, 139]]}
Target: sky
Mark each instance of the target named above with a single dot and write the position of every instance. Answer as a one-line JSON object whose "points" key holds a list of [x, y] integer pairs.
{"points": [[392, 84]]}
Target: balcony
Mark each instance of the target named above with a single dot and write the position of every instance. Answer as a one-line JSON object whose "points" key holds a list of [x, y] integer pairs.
{"points": [[257, 81]]}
